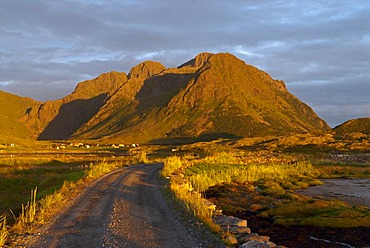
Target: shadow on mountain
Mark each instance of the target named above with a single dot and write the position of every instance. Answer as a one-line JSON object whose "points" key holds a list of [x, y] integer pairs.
{"points": [[190, 140], [71, 117], [158, 91]]}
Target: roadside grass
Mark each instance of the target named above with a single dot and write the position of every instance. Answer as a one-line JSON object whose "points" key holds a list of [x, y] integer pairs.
{"points": [[47, 175], [3, 230], [191, 200]]}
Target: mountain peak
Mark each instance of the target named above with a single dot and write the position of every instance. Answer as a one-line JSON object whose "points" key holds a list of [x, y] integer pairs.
{"points": [[198, 61], [146, 69]]}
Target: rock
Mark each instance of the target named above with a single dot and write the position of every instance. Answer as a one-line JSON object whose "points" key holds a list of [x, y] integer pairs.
{"points": [[239, 229], [254, 244], [271, 244], [258, 238], [224, 220], [231, 239], [210, 205]]}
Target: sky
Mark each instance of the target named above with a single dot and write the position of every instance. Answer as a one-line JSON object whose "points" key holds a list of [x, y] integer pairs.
{"points": [[320, 49]]}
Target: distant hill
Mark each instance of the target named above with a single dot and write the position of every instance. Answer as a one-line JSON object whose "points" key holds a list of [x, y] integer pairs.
{"points": [[12, 108], [210, 96], [360, 125]]}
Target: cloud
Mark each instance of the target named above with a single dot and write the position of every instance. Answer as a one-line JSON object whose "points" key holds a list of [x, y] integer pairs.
{"points": [[320, 49]]}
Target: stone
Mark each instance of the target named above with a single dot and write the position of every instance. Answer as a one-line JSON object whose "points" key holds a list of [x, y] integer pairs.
{"points": [[257, 238], [271, 244], [254, 244], [239, 229], [224, 220], [231, 239]]}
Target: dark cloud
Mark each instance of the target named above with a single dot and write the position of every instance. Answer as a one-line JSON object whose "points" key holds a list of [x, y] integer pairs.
{"points": [[321, 49]]}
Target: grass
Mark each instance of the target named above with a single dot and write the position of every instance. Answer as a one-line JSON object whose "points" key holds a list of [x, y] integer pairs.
{"points": [[183, 191], [264, 187], [204, 175], [190, 177], [28, 214], [321, 213], [55, 183], [47, 175], [3, 230], [341, 170]]}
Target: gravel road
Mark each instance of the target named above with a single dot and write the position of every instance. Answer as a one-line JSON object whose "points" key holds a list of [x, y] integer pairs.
{"points": [[125, 208]]}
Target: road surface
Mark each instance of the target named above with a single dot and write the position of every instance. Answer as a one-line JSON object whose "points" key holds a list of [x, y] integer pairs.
{"points": [[125, 208]]}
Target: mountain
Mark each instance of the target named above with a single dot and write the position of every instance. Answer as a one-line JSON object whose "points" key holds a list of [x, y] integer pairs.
{"points": [[360, 125], [12, 108], [61, 118], [210, 96]]}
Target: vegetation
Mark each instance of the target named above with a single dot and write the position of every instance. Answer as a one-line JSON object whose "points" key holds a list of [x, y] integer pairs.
{"points": [[3, 230], [54, 183], [258, 176], [12, 108], [267, 189], [360, 125]]}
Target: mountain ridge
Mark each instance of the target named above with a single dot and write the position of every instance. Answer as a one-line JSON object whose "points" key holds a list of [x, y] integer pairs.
{"points": [[209, 96]]}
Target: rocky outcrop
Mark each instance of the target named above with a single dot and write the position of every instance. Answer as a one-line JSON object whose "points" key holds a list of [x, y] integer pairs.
{"points": [[146, 70], [241, 231]]}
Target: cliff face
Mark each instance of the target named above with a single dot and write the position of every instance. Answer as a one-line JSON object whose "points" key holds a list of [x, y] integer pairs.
{"points": [[210, 96]]}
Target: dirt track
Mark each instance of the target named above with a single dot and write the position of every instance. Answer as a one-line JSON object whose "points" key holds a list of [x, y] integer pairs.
{"points": [[125, 208]]}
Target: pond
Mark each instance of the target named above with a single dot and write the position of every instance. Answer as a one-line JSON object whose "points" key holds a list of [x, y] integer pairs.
{"points": [[355, 191]]}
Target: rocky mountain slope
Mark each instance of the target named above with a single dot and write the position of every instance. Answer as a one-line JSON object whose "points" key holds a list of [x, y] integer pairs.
{"points": [[360, 125], [62, 118], [210, 96]]}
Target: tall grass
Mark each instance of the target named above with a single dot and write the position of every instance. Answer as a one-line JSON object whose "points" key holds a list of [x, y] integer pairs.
{"points": [[204, 175], [97, 170], [189, 177], [3, 230], [27, 215], [171, 165]]}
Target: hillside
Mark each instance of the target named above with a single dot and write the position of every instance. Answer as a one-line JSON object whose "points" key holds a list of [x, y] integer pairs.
{"points": [[12, 108], [360, 125], [210, 96]]}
